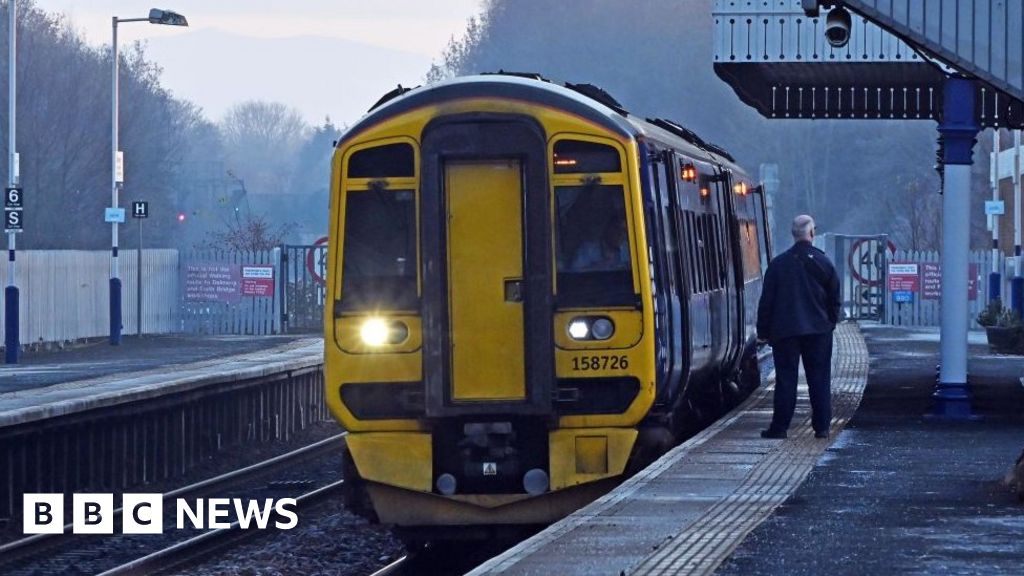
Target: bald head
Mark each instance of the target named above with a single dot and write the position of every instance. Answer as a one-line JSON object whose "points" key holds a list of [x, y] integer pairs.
{"points": [[803, 228]]}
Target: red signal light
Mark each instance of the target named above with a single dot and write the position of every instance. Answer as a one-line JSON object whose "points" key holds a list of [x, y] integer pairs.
{"points": [[181, 216]]}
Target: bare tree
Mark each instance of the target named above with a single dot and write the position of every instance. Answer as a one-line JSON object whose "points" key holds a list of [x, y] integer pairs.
{"points": [[251, 232], [64, 134], [915, 211], [262, 141]]}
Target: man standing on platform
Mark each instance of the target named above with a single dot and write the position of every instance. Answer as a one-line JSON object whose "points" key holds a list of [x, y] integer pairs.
{"points": [[797, 314]]}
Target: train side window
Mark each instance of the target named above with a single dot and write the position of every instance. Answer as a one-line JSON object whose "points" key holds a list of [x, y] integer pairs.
{"points": [[702, 251], [390, 160], [714, 276], [718, 250], [751, 251], [761, 227], [580, 157], [669, 226]]}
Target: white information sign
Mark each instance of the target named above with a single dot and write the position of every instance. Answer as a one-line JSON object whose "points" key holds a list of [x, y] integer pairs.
{"points": [[902, 269]]}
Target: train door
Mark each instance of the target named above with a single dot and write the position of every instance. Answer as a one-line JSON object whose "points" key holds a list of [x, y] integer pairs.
{"points": [[721, 312], [485, 271], [733, 271], [670, 274], [487, 267]]}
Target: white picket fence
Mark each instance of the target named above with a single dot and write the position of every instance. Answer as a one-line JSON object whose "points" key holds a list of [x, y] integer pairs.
{"points": [[64, 295], [924, 312]]}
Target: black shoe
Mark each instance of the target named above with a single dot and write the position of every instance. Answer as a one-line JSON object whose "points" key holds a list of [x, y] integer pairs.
{"points": [[774, 434], [822, 434]]}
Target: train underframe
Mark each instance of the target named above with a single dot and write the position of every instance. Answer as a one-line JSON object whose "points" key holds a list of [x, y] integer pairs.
{"points": [[494, 506]]}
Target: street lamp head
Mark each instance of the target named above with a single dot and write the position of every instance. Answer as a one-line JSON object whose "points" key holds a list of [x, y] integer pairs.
{"points": [[168, 17]]}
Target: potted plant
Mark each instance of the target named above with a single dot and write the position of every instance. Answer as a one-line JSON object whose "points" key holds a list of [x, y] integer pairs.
{"points": [[1003, 327]]}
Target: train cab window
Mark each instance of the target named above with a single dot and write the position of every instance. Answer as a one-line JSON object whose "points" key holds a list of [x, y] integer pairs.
{"points": [[579, 157], [379, 254], [593, 257], [390, 160]]}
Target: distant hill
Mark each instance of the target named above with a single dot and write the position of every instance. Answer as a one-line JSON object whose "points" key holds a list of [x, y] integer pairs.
{"points": [[238, 68]]}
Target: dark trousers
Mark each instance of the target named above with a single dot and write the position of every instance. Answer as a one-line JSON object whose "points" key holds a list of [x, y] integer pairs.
{"points": [[816, 351]]}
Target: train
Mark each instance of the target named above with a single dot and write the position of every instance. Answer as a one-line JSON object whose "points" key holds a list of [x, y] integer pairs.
{"points": [[531, 292]]}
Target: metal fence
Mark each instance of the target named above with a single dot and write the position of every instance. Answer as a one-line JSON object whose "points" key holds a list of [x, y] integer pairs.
{"points": [[859, 262], [231, 292], [923, 307], [65, 294], [305, 269]]}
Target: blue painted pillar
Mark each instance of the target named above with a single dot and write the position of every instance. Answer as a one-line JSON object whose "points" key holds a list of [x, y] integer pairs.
{"points": [[115, 311], [994, 287], [11, 337], [1017, 294], [958, 131]]}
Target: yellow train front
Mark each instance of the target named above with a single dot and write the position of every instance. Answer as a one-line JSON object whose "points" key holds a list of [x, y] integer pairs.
{"points": [[495, 335]]}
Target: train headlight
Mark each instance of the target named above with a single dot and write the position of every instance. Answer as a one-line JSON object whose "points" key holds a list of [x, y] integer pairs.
{"points": [[591, 328], [374, 332], [602, 329], [579, 329], [378, 332]]}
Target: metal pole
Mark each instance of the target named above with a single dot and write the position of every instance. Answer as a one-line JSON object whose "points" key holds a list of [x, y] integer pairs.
{"points": [[995, 282], [115, 280], [1017, 284], [138, 284], [958, 130], [12, 322]]}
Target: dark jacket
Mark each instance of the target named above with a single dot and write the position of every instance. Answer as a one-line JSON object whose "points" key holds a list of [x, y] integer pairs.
{"points": [[800, 295]]}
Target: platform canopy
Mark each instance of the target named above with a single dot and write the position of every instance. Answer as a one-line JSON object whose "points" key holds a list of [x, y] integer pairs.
{"points": [[778, 60]]}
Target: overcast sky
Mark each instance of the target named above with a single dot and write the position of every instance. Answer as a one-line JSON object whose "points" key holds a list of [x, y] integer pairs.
{"points": [[324, 57]]}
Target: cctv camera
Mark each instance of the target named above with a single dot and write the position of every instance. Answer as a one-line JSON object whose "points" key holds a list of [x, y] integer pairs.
{"points": [[837, 27]]}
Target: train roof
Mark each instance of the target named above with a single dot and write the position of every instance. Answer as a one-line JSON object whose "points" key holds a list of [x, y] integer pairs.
{"points": [[584, 100]]}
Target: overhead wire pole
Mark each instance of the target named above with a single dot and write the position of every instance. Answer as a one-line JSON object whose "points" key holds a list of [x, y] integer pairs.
{"points": [[12, 322]]}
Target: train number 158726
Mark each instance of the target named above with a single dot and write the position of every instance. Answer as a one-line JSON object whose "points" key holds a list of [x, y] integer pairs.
{"points": [[593, 363]]}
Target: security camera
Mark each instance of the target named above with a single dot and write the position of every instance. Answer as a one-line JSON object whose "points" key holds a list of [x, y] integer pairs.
{"points": [[837, 27]]}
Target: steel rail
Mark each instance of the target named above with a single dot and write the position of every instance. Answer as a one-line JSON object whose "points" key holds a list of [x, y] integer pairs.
{"points": [[190, 550], [393, 568], [19, 549]]}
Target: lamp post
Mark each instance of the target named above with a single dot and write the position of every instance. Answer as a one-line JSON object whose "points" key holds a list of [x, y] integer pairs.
{"points": [[156, 16]]}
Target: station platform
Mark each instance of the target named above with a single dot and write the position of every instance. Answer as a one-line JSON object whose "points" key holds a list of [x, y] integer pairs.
{"points": [[59, 382], [892, 491]]}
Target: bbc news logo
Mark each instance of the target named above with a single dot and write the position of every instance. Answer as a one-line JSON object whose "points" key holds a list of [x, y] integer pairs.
{"points": [[144, 513]]}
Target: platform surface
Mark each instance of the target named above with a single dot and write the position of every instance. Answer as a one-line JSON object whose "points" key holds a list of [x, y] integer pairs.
{"points": [[891, 492], [48, 384], [900, 492]]}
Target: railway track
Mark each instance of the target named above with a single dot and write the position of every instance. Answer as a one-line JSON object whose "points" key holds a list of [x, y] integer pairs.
{"points": [[56, 553], [199, 547], [394, 568]]}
